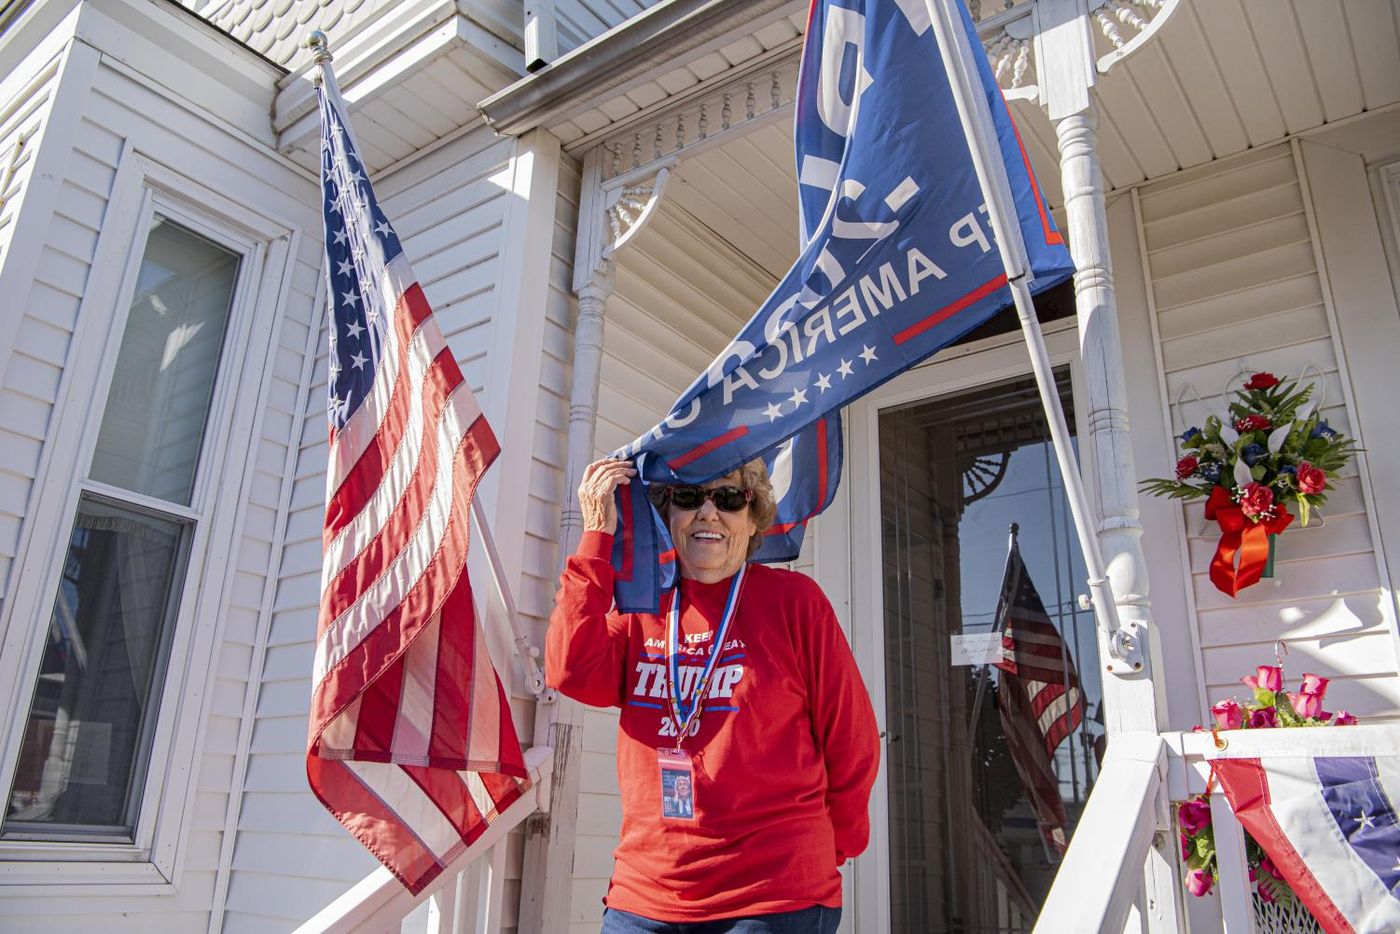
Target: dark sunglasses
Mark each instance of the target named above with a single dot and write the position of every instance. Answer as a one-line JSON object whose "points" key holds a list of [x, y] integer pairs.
{"points": [[728, 498]]}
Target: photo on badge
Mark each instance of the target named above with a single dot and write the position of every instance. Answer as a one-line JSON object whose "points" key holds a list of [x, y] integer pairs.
{"points": [[677, 794]]}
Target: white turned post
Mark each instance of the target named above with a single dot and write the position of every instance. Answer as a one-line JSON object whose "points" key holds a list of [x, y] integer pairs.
{"points": [[1133, 700], [583, 403]]}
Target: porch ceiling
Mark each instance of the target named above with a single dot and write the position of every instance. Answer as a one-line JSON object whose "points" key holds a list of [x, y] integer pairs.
{"points": [[1220, 77]]}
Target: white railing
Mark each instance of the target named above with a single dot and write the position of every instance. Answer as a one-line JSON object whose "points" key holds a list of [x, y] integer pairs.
{"points": [[1100, 883], [378, 903]]}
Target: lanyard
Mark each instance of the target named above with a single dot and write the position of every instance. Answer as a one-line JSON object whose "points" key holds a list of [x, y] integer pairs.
{"points": [[673, 637]]}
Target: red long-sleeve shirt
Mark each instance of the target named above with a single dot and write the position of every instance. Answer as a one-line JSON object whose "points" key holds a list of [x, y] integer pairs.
{"points": [[785, 755]]}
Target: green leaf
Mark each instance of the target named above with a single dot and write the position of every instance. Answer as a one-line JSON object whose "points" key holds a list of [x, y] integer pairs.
{"points": [[1303, 509]]}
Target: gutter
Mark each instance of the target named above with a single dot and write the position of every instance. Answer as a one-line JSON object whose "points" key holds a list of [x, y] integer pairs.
{"points": [[664, 36]]}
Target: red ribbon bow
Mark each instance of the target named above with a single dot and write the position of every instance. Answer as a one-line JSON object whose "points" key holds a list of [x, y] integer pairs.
{"points": [[1241, 538]]}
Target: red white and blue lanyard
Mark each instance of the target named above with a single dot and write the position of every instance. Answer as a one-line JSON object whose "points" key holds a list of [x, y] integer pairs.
{"points": [[673, 637]]}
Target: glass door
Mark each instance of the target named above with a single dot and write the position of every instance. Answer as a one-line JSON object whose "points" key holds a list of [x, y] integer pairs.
{"points": [[989, 763]]}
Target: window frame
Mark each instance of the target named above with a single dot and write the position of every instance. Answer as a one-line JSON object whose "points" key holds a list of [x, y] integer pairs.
{"points": [[266, 246]]}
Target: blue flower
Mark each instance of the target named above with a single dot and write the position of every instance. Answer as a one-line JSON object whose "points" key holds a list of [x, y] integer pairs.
{"points": [[1289, 469], [1254, 453], [1323, 430], [1210, 472], [1190, 433]]}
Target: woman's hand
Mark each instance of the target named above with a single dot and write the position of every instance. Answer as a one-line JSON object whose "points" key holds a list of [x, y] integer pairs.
{"points": [[595, 493]]}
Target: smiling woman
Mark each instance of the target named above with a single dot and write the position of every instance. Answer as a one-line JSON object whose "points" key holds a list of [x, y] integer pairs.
{"points": [[746, 752]]}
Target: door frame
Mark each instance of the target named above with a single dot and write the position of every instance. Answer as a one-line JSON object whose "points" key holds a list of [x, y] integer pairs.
{"points": [[859, 593]]}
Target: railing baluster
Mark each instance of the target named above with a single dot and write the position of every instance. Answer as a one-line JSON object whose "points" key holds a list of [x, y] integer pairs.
{"points": [[1235, 907]]}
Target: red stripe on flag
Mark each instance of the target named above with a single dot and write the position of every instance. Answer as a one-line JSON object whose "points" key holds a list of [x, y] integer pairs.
{"points": [[372, 822], [400, 525], [947, 311], [400, 625], [1246, 785], [363, 479], [1052, 236], [733, 434]]}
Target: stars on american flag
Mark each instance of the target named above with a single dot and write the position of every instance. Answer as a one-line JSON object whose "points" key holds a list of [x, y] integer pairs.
{"points": [[844, 369], [360, 244]]}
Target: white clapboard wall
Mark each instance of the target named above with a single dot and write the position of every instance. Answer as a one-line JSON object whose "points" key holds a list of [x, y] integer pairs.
{"points": [[1233, 276], [111, 110], [34, 334]]}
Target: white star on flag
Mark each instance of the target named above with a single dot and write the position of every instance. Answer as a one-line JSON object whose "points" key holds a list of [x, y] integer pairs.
{"points": [[358, 361], [773, 412], [340, 236], [354, 329], [1364, 820], [798, 397], [343, 268], [823, 381], [382, 229], [844, 369], [868, 355]]}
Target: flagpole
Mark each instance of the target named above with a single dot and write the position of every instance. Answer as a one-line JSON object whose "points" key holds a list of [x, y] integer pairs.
{"points": [[323, 77], [1123, 646], [998, 625]]}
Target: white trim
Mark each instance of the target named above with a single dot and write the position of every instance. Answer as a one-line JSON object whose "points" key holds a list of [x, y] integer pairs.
{"points": [[1193, 627], [952, 371], [267, 248]]}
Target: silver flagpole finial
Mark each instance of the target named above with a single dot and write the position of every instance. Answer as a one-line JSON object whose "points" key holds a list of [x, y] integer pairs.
{"points": [[319, 45]]}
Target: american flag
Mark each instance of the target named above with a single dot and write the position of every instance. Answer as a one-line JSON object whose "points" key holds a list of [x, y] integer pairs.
{"points": [[411, 742], [1039, 697]]}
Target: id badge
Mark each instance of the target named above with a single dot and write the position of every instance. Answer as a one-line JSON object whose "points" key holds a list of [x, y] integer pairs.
{"points": [[677, 784]]}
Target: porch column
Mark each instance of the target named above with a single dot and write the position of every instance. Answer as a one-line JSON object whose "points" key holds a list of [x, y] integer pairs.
{"points": [[583, 401], [1133, 701]]}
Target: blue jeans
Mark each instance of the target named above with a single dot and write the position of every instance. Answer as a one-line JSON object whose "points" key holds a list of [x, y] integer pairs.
{"points": [[815, 920]]}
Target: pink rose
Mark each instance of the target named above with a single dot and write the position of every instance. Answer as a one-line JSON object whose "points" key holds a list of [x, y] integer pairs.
{"points": [[1186, 467], [1268, 677], [1311, 479], [1185, 847], [1229, 715], [1314, 684], [1308, 706], [1256, 500], [1263, 718], [1253, 423], [1262, 381], [1198, 882], [1343, 719], [1194, 815]]}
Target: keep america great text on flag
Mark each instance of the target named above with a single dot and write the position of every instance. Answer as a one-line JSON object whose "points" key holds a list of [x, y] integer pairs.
{"points": [[898, 261], [411, 746]]}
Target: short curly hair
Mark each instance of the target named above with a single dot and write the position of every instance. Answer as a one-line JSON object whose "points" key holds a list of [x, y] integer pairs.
{"points": [[762, 508]]}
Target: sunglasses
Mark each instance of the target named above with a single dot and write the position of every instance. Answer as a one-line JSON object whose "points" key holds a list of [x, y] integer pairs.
{"points": [[727, 498]]}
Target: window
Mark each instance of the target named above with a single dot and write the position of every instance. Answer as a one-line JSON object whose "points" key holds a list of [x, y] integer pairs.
{"points": [[89, 729]]}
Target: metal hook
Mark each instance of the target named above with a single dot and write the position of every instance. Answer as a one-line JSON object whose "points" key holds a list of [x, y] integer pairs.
{"points": [[1280, 650]]}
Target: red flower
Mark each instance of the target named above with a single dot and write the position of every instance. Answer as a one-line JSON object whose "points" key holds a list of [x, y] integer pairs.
{"points": [[1256, 501], [1262, 381], [1186, 467], [1307, 706], [1253, 423], [1268, 677], [1311, 479], [1263, 718], [1194, 815], [1314, 684], [1343, 719]]}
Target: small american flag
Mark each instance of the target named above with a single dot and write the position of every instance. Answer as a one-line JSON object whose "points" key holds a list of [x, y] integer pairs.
{"points": [[411, 743], [1039, 698]]}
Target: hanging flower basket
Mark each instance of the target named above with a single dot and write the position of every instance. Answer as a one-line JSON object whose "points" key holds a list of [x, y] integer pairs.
{"points": [[1270, 453]]}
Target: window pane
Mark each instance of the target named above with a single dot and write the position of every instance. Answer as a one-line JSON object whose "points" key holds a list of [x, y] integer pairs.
{"points": [[82, 761], [159, 402]]}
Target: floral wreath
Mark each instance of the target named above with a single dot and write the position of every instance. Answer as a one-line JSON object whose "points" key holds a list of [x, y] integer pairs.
{"points": [[1274, 451]]}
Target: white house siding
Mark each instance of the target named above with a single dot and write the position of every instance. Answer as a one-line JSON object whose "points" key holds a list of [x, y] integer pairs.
{"points": [[34, 334], [123, 109], [581, 20], [1233, 276], [464, 211]]}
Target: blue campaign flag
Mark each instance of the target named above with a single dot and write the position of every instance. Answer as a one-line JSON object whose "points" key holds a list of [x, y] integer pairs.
{"points": [[898, 261]]}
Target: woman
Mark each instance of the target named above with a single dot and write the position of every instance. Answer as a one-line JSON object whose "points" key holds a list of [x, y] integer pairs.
{"points": [[736, 811]]}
